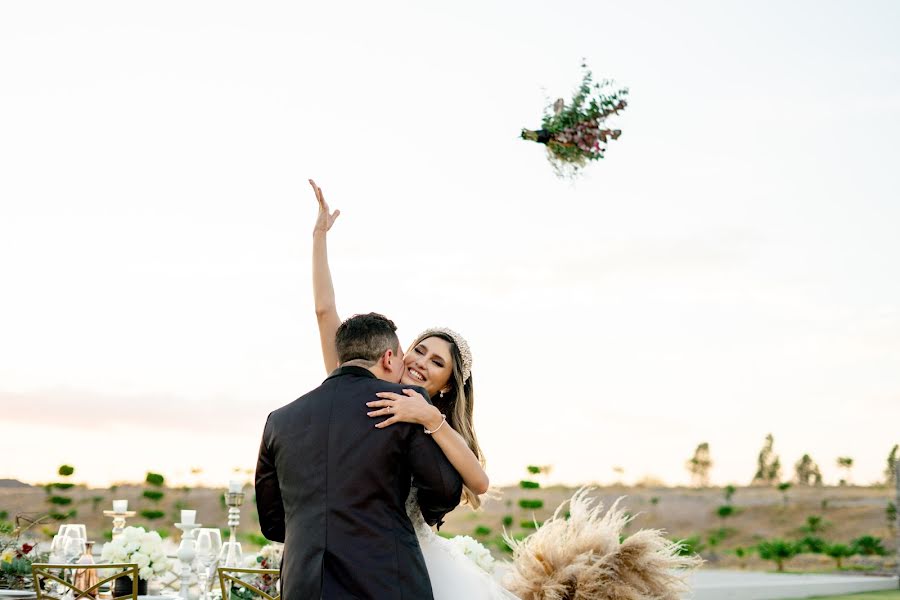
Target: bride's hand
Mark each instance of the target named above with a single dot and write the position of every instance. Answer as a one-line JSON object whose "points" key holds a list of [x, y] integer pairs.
{"points": [[325, 219], [411, 408]]}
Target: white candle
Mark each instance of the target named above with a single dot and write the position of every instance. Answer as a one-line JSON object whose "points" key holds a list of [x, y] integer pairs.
{"points": [[120, 506], [188, 516], [235, 486]]}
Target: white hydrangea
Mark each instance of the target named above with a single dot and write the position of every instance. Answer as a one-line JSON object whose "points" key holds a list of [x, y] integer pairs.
{"points": [[136, 545], [474, 551]]}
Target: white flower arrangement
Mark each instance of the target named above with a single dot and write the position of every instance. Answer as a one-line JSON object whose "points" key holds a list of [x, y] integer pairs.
{"points": [[136, 545], [474, 551]]}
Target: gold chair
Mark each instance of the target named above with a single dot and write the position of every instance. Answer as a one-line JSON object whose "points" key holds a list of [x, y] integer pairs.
{"points": [[229, 578], [42, 573]]}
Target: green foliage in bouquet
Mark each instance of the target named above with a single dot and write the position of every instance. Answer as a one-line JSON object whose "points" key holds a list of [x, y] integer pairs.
{"points": [[576, 133], [15, 562]]}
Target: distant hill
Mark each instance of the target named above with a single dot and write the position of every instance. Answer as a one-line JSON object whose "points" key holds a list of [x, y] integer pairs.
{"points": [[12, 483]]}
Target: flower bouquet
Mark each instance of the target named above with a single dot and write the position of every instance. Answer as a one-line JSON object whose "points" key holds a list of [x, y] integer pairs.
{"points": [[577, 133], [136, 545], [15, 563], [269, 557]]}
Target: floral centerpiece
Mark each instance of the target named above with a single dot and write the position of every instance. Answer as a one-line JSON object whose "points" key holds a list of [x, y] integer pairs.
{"points": [[577, 133], [269, 557], [474, 551], [136, 545], [15, 563]]}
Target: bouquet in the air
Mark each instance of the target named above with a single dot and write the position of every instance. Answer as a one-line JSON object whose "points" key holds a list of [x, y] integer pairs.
{"points": [[577, 133]]}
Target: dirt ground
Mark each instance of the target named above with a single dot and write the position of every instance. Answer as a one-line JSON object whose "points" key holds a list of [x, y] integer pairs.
{"points": [[847, 513]]}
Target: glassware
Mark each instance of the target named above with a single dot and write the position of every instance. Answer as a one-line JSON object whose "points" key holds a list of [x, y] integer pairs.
{"points": [[205, 555], [74, 549]]}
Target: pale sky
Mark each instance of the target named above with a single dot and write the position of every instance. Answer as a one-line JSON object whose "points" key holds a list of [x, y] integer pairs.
{"points": [[729, 270]]}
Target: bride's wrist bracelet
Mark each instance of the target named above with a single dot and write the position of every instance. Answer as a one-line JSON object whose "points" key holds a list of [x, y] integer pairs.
{"points": [[438, 428]]}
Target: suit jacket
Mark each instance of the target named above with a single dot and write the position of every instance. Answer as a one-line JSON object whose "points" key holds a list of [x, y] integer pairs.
{"points": [[333, 488]]}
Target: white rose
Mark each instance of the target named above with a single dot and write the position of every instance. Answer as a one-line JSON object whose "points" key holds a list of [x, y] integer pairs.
{"points": [[145, 573], [141, 560]]}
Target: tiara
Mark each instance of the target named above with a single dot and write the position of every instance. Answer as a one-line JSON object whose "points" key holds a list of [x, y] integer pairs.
{"points": [[461, 344]]}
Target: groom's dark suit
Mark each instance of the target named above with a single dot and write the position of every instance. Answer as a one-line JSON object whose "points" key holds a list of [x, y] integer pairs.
{"points": [[332, 487]]}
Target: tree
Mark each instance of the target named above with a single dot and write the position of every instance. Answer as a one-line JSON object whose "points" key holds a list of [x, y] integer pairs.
{"points": [[768, 468], [868, 545], [777, 550], [845, 463], [783, 488], [807, 471], [839, 552], [699, 465], [729, 493], [890, 472], [155, 494], [59, 499]]}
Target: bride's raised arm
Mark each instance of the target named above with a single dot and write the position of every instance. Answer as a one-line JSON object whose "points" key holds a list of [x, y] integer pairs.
{"points": [[323, 289]]}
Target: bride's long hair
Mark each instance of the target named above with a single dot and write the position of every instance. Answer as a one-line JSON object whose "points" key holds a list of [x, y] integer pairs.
{"points": [[458, 405]]}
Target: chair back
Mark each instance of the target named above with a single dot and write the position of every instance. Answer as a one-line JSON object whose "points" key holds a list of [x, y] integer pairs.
{"points": [[259, 582], [82, 581]]}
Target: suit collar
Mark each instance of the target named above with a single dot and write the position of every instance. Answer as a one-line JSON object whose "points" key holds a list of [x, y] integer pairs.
{"points": [[351, 370]]}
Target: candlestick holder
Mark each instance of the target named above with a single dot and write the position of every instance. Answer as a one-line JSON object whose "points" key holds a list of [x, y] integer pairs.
{"points": [[186, 554], [118, 520], [231, 550]]}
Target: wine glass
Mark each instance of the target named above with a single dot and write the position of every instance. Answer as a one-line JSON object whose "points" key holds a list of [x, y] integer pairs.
{"points": [[74, 549], [203, 547]]}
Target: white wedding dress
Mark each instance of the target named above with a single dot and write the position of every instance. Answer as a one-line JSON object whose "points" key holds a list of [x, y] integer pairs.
{"points": [[454, 576]]}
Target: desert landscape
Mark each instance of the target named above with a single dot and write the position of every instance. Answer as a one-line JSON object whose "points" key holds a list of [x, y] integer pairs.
{"points": [[725, 538]]}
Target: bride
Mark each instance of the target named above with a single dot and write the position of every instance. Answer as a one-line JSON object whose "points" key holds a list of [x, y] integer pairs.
{"points": [[581, 553], [439, 360]]}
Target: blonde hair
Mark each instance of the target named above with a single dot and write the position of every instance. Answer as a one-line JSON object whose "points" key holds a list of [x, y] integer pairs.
{"points": [[458, 405]]}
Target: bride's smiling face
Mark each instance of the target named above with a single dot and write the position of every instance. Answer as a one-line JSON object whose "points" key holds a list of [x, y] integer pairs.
{"points": [[429, 365]]}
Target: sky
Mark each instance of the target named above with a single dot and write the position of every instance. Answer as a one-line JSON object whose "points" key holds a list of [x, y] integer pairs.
{"points": [[729, 270]]}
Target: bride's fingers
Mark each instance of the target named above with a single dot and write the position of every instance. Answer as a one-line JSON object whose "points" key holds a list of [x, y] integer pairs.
{"points": [[412, 393], [386, 422], [380, 413], [390, 396]]}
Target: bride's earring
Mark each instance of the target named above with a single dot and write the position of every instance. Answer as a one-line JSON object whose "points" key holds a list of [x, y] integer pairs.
{"points": [[442, 393]]}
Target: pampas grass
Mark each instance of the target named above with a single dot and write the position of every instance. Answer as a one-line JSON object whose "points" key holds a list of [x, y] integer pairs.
{"points": [[584, 557]]}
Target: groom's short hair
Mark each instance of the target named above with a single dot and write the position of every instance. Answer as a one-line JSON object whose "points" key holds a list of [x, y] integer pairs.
{"points": [[366, 338]]}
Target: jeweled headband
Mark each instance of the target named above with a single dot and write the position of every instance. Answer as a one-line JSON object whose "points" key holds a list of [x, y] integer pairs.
{"points": [[461, 344]]}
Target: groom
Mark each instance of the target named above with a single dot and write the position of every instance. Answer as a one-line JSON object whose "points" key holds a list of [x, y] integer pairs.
{"points": [[333, 488]]}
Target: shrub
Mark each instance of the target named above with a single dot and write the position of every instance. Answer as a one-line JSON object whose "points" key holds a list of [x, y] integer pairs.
{"points": [[777, 550], [152, 514], [507, 520], [155, 479], [153, 495], [839, 552], [813, 544], [814, 524], [531, 504], [482, 531], [868, 545], [725, 511], [529, 485], [690, 546], [60, 500], [528, 525], [66, 470]]}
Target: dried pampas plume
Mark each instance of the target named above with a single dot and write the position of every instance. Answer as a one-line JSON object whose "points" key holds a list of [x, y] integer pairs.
{"points": [[582, 558]]}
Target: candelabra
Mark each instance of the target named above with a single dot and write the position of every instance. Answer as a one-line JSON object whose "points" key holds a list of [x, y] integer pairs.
{"points": [[186, 554], [232, 548], [118, 517]]}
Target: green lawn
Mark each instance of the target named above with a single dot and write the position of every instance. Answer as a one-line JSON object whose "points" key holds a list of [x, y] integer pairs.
{"points": [[886, 595]]}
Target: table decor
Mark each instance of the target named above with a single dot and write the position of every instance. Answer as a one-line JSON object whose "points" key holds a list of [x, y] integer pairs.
{"points": [[141, 547]]}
